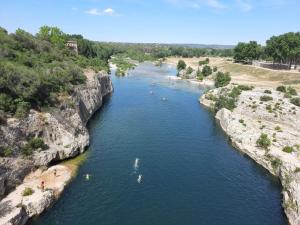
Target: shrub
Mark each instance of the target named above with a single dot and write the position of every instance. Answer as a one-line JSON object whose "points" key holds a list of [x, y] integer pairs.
{"points": [[7, 152], [222, 79], [263, 141], [245, 87], [215, 69], [204, 62], [189, 70], [33, 144], [181, 65], [297, 170], [265, 98], [206, 70], [36, 143], [281, 89], [225, 102], [22, 109], [26, 150], [27, 191], [291, 91], [288, 149], [199, 75], [268, 92], [235, 92], [296, 101], [275, 163], [278, 128]]}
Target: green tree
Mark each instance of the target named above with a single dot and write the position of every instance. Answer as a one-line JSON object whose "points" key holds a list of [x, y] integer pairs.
{"points": [[206, 70], [284, 48], [222, 79], [247, 52], [181, 65]]}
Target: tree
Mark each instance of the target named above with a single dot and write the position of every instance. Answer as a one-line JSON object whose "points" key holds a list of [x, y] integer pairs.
{"points": [[222, 79], [181, 65], [247, 52], [284, 48], [206, 70]]}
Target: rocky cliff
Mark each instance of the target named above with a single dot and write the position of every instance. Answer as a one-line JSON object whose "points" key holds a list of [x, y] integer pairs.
{"points": [[62, 128], [278, 119]]}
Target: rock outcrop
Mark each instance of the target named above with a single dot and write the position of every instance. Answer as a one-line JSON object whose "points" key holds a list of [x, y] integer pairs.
{"points": [[279, 120], [62, 128], [18, 207]]}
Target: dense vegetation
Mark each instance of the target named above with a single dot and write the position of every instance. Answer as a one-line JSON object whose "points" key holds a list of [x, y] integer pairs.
{"points": [[284, 48], [34, 70]]}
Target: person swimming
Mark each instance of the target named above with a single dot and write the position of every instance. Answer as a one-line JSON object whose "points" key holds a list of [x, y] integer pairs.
{"points": [[139, 180], [87, 176]]}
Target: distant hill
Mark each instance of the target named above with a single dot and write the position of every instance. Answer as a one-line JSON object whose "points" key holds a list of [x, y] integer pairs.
{"points": [[204, 46]]}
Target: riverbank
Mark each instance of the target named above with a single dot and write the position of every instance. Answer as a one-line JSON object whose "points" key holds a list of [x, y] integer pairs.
{"points": [[276, 119], [245, 74], [64, 131]]}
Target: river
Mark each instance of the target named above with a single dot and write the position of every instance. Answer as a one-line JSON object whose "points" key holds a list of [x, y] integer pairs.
{"points": [[191, 175]]}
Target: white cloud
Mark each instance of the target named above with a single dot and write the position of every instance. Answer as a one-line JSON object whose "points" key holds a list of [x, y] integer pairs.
{"points": [[105, 12], [94, 12], [109, 11], [243, 5]]}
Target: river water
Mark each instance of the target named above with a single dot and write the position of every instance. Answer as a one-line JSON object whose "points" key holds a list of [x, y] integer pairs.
{"points": [[191, 175]]}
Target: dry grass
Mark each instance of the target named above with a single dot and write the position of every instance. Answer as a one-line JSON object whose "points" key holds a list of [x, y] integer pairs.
{"points": [[247, 74]]}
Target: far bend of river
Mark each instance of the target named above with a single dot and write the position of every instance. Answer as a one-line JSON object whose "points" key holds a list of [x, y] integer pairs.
{"points": [[191, 175]]}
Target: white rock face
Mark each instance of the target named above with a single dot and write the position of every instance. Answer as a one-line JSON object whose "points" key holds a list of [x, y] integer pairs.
{"points": [[280, 120]]}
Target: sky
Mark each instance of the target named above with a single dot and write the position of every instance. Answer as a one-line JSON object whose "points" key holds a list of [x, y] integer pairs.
{"points": [[157, 21]]}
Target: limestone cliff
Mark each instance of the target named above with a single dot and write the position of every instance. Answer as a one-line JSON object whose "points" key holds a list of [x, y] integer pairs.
{"points": [[62, 128], [279, 120]]}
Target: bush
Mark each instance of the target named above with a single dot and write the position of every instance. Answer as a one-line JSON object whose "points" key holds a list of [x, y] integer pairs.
{"points": [[222, 79], [189, 70], [235, 92], [281, 89], [36, 143], [206, 70], [32, 145], [22, 109], [296, 101], [263, 141], [27, 191], [181, 65], [275, 163], [225, 102], [199, 75], [245, 87], [268, 92], [215, 69], [291, 91], [204, 62], [265, 98], [288, 149]]}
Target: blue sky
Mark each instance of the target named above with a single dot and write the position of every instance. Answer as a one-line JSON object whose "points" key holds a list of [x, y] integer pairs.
{"points": [[163, 21]]}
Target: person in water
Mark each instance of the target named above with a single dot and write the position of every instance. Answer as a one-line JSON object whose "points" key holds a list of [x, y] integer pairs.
{"points": [[87, 176]]}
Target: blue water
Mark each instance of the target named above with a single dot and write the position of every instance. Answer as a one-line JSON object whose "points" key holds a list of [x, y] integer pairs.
{"points": [[191, 174]]}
